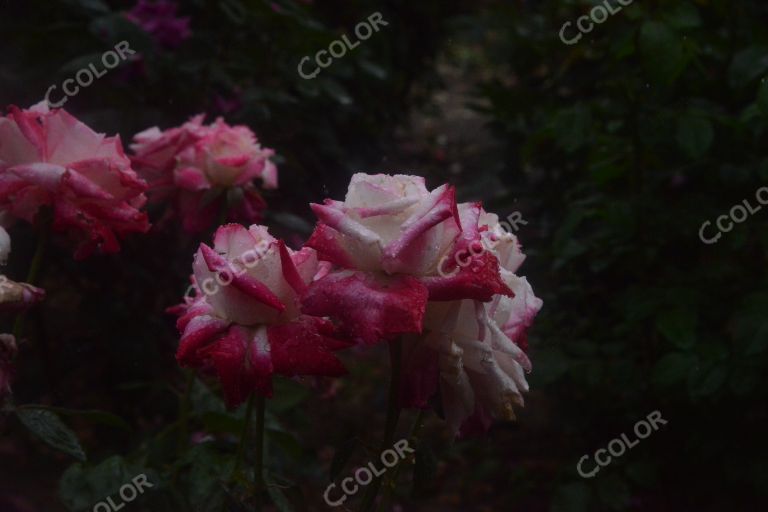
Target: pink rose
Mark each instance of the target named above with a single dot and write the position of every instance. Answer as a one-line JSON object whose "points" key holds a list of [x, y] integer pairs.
{"points": [[49, 158], [392, 237], [475, 352], [244, 321], [197, 164]]}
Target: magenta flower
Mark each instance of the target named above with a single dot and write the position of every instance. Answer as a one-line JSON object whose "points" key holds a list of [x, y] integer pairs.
{"points": [[244, 323], [201, 167], [49, 158], [159, 20]]}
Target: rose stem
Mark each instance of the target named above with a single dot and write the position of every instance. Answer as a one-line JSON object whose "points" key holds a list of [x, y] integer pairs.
{"points": [[414, 435], [393, 414], [184, 410], [243, 437], [32, 275]]}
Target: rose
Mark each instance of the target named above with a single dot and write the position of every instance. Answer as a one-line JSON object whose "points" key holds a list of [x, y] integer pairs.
{"points": [[252, 327], [389, 237], [155, 150], [475, 351], [49, 158], [225, 156], [195, 164]]}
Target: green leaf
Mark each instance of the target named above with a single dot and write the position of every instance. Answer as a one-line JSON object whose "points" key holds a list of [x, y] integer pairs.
{"points": [[672, 369], [204, 400], [82, 486], [235, 11], [374, 70], [278, 496], [286, 441], [762, 97], [203, 483], [48, 426], [707, 380], [337, 91], [288, 395], [743, 380], [90, 6], [662, 51], [614, 492], [678, 326], [694, 135], [222, 423], [748, 65], [573, 497], [571, 127], [102, 417], [683, 15]]}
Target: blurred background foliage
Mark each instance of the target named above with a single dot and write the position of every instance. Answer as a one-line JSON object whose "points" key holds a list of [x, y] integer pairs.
{"points": [[614, 149]]}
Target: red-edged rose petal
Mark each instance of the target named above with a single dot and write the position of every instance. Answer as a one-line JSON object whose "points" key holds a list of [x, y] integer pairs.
{"points": [[369, 308], [303, 347]]}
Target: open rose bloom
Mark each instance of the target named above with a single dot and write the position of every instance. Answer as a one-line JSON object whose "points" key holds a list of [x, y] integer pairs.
{"points": [[415, 263], [204, 168], [474, 353], [244, 322], [50, 159], [391, 239]]}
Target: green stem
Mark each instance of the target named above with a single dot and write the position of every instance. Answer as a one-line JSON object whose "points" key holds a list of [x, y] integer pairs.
{"points": [[413, 436], [184, 411], [33, 275], [258, 451], [393, 415], [243, 437]]}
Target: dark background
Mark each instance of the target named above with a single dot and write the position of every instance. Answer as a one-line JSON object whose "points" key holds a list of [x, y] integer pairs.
{"points": [[615, 150]]}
